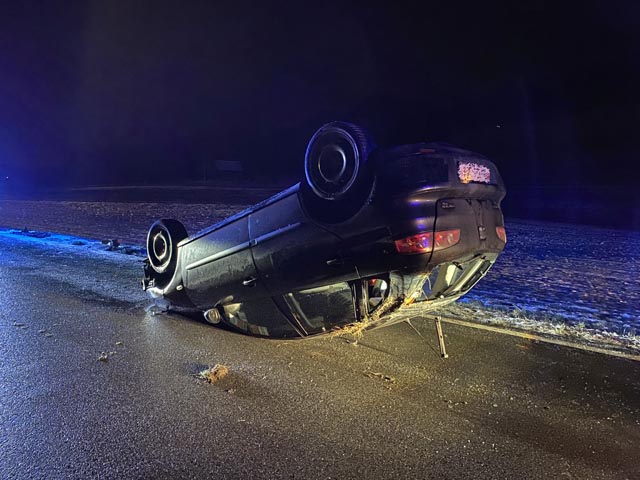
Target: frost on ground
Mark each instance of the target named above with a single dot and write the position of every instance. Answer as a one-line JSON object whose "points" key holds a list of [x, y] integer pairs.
{"points": [[553, 278], [125, 221], [546, 326], [569, 280]]}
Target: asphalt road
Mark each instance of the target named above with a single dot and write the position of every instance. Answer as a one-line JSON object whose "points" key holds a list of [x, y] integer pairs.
{"points": [[499, 407]]}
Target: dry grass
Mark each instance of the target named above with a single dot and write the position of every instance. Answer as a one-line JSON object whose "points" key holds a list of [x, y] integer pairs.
{"points": [[213, 374], [355, 329]]}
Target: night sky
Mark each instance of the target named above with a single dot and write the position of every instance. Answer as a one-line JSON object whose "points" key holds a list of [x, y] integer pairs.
{"points": [[105, 92]]}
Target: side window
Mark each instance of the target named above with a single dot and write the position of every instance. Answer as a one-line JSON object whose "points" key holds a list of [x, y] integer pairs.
{"points": [[322, 308], [259, 317], [377, 291]]}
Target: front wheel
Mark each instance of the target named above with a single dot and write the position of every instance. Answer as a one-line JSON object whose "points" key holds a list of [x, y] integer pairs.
{"points": [[162, 245]]}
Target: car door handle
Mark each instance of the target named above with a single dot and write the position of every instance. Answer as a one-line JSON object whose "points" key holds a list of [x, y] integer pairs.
{"points": [[250, 282]]}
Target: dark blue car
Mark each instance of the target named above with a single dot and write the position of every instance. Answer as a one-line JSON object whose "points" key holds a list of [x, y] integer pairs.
{"points": [[367, 235]]}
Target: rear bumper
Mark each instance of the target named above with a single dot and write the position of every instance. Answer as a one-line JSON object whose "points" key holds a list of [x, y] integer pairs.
{"points": [[442, 285]]}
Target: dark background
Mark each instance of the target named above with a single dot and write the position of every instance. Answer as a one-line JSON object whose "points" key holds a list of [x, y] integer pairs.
{"points": [[131, 93]]}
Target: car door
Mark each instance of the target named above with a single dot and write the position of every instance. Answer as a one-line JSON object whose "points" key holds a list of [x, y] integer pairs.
{"points": [[291, 252], [219, 266]]}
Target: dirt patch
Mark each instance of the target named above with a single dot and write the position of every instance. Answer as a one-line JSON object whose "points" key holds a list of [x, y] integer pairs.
{"points": [[213, 374]]}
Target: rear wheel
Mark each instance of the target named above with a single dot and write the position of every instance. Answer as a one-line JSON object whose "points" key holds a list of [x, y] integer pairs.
{"points": [[162, 245], [338, 179]]}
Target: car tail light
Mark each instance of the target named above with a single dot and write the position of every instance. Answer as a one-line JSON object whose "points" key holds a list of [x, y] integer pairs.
{"points": [[446, 239], [502, 234], [421, 243], [425, 242]]}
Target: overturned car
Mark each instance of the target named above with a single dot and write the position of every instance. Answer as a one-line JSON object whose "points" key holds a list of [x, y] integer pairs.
{"points": [[369, 237]]}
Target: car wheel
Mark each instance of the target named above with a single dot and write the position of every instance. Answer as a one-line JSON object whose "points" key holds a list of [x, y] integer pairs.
{"points": [[338, 179], [162, 245]]}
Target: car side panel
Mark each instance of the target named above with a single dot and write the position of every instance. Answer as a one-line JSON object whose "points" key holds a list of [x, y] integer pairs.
{"points": [[293, 253], [219, 268]]}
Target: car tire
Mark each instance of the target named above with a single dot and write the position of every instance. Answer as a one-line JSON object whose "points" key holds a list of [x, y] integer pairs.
{"points": [[338, 179], [162, 245]]}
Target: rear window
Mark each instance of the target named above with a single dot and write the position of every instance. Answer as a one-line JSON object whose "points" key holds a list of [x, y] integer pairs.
{"points": [[416, 169]]}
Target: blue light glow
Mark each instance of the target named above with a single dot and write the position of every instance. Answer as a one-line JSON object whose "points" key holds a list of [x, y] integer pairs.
{"points": [[422, 224]]}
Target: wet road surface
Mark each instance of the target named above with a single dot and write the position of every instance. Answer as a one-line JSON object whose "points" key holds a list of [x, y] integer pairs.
{"points": [[499, 407]]}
